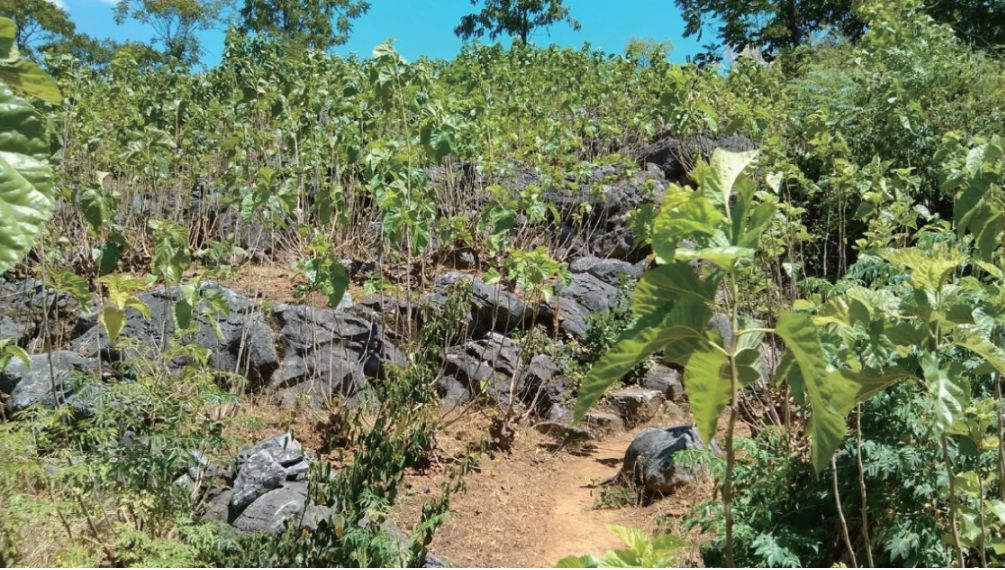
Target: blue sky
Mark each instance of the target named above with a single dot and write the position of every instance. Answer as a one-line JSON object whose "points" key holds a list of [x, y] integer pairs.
{"points": [[425, 27]]}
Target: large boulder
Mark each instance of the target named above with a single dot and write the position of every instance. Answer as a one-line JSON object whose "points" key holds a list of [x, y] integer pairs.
{"points": [[608, 192], [240, 341], [22, 304], [38, 384], [574, 303], [611, 271], [328, 353], [281, 447], [665, 380], [649, 460], [677, 158], [271, 510], [394, 314], [489, 364], [493, 366], [263, 467], [260, 474], [493, 308], [635, 404]]}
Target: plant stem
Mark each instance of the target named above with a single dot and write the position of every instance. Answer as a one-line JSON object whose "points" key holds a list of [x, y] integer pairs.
{"points": [[982, 551], [727, 485], [1001, 440], [952, 503], [863, 498], [844, 523]]}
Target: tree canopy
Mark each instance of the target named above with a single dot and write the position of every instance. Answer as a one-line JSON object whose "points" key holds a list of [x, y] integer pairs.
{"points": [[517, 18], [174, 22], [318, 24], [773, 25], [38, 22]]}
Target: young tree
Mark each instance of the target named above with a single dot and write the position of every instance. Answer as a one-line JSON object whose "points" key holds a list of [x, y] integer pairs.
{"points": [[307, 22], [779, 24], [513, 17], [38, 22], [175, 22]]}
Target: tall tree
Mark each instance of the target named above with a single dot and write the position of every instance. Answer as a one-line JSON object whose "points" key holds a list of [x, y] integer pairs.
{"points": [[38, 22], [175, 22], [515, 18], [772, 25], [318, 24]]}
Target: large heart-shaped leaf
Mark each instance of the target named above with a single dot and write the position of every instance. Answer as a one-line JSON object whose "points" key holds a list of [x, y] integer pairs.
{"points": [[26, 199], [830, 395], [709, 388]]}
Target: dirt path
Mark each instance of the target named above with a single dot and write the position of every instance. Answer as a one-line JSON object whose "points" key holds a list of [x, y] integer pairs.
{"points": [[533, 506], [575, 525]]}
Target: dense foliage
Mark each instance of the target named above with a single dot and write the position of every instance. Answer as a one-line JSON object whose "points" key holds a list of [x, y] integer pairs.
{"points": [[856, 259]]}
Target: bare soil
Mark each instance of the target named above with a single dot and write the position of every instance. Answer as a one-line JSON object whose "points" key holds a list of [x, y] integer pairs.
{"points": [[540, 502]]}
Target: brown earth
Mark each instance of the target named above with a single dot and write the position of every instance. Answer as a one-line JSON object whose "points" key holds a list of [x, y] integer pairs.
{"points": [[540, 502]]}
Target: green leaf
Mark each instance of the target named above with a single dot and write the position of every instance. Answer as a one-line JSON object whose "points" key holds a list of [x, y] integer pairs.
{"points": [[726, 167], [684, 213], [72, 284], [638, 342], [26, 199], [113, 319], [662, 285], [8, 31], [183, 314], [709, 387], [634, 538], [972, 339], [928, 270], [947, 389], [725, 257], [870, 383], [749, 364], [27, 77], [108, 258], [15, 351], [578, 562], [97, 208], [829, 394]]}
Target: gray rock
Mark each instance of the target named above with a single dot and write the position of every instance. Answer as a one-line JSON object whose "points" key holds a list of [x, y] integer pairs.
{"points": [[485, 365], [610, 271], [259, 474], [610, 191], [574, 303], [649, 460], [218, 508], [463, 258], [493, 308], [603, 420], [281, 447], [542, 386], [719, 323], [19, 331], [240, 342], [270, 511], [328, 352], [451, 391], [677, 158], [635, 404], [33, 385], [392, 313], [433, 561], [22, 305], [665, 380], [559, 430], [298, 471]]}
